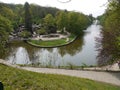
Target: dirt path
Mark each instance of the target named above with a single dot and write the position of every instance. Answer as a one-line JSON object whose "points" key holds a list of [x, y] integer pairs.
{"points": [[108, 77]]}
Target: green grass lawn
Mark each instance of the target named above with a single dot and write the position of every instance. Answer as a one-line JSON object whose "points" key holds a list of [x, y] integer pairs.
{"points": [[51, 43], [16, 79]]}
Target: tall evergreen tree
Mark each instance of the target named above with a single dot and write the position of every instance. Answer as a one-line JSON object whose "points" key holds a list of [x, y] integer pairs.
{"points": [[28, 19]]}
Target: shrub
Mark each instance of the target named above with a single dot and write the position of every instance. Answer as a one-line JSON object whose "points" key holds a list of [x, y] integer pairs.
{"points": [[25, 34], [41, 31]]}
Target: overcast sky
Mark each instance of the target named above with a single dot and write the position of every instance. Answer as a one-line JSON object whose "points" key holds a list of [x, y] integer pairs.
{"points": [[95, 7]]}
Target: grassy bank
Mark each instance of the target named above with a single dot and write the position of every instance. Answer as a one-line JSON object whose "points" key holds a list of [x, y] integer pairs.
{"points": [[52, 43], [69, 66], [16, 79]]}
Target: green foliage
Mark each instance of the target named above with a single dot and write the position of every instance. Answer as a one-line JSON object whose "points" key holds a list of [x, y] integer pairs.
{"points": [[102, 19], [41, 31], [77, 22], [53, 18], [61, 19], [6, 11], [49, 22], [91, 18], [25, 34], [5, 29], [5, 24], [17, 79], [28, 18], [73, 22], [39, 12], [118, 39], [111, 28], [9, 12]]}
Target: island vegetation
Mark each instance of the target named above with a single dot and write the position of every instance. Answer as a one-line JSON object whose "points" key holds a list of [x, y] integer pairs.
{"points": [[52, 43]]}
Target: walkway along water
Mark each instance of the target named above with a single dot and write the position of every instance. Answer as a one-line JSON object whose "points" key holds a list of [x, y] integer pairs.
{"points": [[107, 77]]}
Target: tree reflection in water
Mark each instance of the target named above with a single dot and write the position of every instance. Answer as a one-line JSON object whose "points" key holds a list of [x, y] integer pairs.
{"points": [[72, 48], [46, 56]]}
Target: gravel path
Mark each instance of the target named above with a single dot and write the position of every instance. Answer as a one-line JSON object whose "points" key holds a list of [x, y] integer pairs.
{"points": [[108, 77], [112, 78]]}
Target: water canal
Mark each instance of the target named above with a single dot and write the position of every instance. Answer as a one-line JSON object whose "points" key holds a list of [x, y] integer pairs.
{"points": [[81, 51]]}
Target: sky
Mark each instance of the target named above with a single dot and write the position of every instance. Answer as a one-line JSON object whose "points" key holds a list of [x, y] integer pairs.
{"points": [[94, 7]]}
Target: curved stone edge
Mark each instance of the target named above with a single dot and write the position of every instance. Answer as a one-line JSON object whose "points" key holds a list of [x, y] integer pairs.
{"points": [[51, 46]]}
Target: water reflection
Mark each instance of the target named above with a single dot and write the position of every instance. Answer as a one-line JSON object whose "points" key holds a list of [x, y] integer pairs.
{"points": [[80, 51], [19, 56], [73, 48]]}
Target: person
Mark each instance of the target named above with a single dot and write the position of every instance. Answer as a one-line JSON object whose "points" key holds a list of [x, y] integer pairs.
{"points": [[119, 64], [1, 86]]}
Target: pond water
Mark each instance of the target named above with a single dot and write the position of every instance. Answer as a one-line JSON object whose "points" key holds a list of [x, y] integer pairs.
{"points": [[81, 51]]}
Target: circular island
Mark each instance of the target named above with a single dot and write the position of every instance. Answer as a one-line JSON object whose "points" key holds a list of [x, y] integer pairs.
{"points": [[51, 40]]}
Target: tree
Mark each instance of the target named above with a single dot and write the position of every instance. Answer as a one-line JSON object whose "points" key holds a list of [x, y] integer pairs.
{"points": [[76, 22], [28, 19], [5, 29], [61, 20], [49, 23], [73, 22], [25, 34], [91, 18], [41, 31], [110, 51]]}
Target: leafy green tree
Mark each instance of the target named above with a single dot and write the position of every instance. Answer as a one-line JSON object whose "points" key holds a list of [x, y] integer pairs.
{"points": [[91, 18], [25, 34], [6, 11], [61, 20], [49, 22], [41, 31], [5, 29], [28, 19], [110, 51], [73, 22], [77, 22]]}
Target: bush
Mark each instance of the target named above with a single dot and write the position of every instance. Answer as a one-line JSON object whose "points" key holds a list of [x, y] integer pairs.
{"points": [[41, 31], [25, 34]]}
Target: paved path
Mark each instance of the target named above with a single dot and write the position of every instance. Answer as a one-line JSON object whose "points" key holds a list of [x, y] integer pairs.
{"points": [[113, 78], [108, 77], [42, 37]]}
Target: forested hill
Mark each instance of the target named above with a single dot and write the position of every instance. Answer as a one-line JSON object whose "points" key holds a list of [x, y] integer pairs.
{"points": [[15, 12], [13, 16]]}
